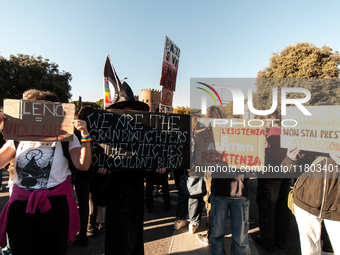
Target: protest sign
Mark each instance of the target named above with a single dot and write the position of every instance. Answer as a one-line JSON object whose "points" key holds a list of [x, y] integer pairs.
{"points": [[236, 146], [318, 132], [170, 64], [165, 108], [131, 140], [167, 96], [38, 120]]}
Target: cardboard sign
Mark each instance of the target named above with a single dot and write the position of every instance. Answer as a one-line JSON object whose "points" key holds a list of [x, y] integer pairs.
{"points": [[131, 140], [318, 132], [38, 121], [235, 146], [167, 96], [170, 64], [165, 108]]}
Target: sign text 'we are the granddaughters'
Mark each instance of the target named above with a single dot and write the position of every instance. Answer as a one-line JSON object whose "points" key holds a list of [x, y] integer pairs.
{"points": [[138, 140]]}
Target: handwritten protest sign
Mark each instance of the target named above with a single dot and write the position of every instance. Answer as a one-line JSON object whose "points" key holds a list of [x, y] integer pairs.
{"points": [[317, 132], [138, 140], [236, 146], [170, 64], [165, 109], [38, 120], [167, 97]]}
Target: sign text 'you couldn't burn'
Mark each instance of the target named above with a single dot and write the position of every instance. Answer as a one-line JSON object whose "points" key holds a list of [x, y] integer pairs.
{"points": [[138, 140]]}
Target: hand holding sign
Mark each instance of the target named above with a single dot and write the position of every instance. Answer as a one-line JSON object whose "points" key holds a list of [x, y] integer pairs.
{"points": [[81, 126], [292, 153], [161, 170], [103, 170]]}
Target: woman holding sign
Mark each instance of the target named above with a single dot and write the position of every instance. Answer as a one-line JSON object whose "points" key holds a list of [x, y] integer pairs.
{"points": [[41, 215]]}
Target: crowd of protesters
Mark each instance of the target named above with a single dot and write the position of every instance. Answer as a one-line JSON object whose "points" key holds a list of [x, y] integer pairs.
{"points": [[42, 196]]}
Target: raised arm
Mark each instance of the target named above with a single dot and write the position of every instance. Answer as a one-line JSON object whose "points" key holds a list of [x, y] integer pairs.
{"points": [[81, 157]]}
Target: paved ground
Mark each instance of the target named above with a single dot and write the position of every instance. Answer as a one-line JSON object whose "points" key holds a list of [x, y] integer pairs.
{"points": [[160, 238]]}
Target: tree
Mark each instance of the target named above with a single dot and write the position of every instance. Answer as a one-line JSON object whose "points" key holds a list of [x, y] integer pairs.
{"points": [[100, 102], [77, 108], [182, 110], [303, 60], [196, 111], [22, 72], [228, 109]]}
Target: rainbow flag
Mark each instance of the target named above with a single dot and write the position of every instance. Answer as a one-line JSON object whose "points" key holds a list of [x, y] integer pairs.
{"points": [[107, 98], [111, 84]]}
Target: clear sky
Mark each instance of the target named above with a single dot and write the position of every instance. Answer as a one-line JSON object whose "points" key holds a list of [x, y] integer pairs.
{"points": [[218, 39]]}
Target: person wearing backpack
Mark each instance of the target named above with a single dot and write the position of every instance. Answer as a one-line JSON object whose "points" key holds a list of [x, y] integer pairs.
{"points": [[41, 215]]}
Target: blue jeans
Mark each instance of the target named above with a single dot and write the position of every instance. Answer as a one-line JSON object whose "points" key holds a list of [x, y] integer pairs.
{"points": [[191, 206], [239, 218]]}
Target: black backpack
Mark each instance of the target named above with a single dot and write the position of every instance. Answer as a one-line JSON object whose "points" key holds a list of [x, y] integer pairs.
{"points": [[66, 153]]}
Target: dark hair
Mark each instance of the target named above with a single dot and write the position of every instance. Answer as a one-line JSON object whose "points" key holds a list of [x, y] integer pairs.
{"points": [[82, 111], [215, 112], [35, 94]]}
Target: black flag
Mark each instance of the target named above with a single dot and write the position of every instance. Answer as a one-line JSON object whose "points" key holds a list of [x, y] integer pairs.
{"points": [[111, 84]]}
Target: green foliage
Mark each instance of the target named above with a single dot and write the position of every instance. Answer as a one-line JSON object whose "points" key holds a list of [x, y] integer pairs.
{"points": [[306, 62], [228, 109], [100, 103], [182, 110], [196, 111], [22, 72], [94, 105]]}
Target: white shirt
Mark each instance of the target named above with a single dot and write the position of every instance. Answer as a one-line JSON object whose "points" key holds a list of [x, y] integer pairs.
{"points": [[41, 165]]}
